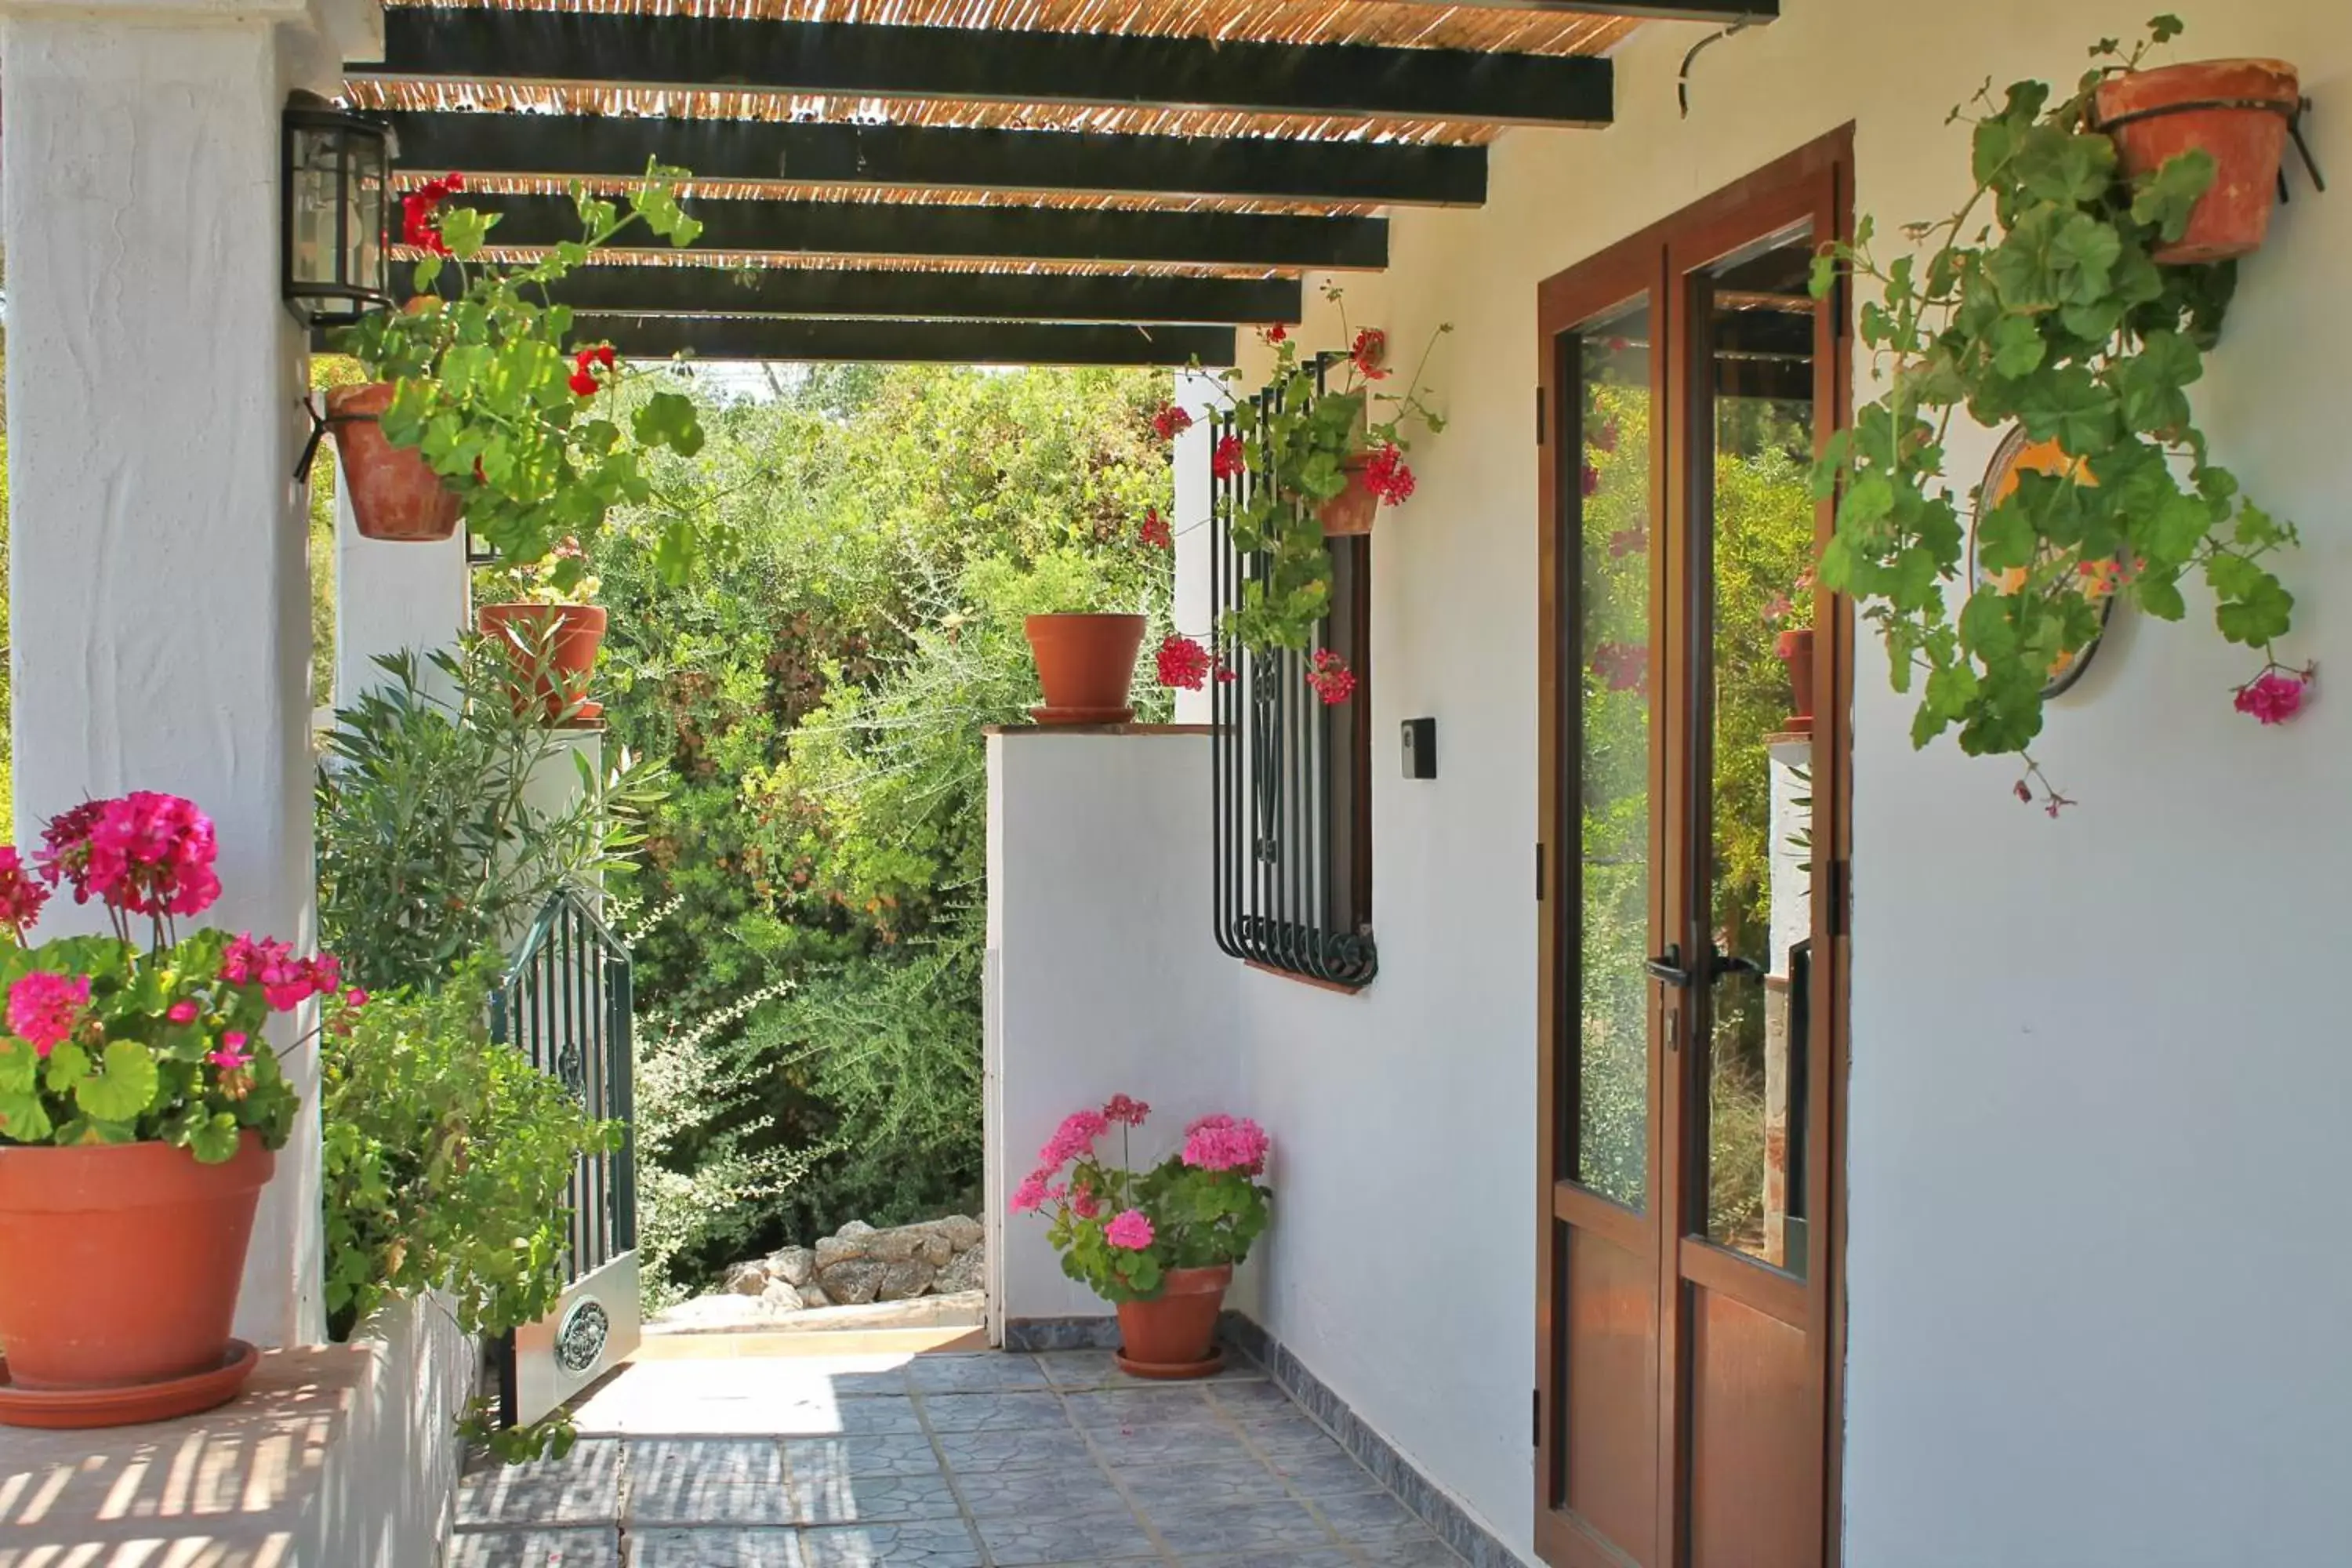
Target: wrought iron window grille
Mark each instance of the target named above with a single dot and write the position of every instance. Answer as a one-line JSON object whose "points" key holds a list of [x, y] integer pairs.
{"points": [[1293, 776]]}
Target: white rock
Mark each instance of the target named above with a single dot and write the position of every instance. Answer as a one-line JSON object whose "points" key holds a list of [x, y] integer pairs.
{"points": [[963, 1230], [796, 1265], [854, 1229], [781, 1297], [746, 1279], [962, 1274]]}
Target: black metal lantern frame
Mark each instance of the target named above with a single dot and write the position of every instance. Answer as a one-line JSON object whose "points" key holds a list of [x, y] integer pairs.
{"points": [[336, 173]]}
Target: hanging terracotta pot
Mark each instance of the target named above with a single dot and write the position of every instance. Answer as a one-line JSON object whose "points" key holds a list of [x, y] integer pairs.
{"points": [[570, 633], [1174, 1334], [1353, 510], [119, 1274], [1087, 663], [394, 493], [1795, 649], [2237, 111]]}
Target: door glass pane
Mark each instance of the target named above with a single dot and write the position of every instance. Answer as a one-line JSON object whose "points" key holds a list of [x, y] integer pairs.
{"points": [[1610, 618], [1758, 522]]}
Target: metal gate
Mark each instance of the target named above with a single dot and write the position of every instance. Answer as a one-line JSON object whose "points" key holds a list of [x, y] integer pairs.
{"points": [[565, 1004]]}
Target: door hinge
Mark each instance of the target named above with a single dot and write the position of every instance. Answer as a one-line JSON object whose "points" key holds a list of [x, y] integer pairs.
{"points": [[1542, 426], [1840, 897], [1536, 1437], [1539, 871]]}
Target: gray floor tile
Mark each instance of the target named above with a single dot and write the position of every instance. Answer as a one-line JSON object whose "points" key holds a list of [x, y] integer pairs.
{"points": [[901, 1454], [695, 1499], [1370, 1516], [991, 1372], [715, 1549], [834, 1497], [929, 1543], [1279, 1558], [1011, 1412], [1128, 1448], [1080, 1369], [1143, 1406], [1044, 1449], [1319, 1473], [1236, 1479], [665, 1462], [1080, 1494], [1251, 1400], [1422, 1551], [582, 1487], [1023, 1539], [1293, 1434], [1199, 1528], [536, 1549]]}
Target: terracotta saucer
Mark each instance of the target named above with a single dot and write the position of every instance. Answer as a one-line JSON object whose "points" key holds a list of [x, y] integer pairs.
{"points": [[1171, 1371], [1049, 714], [72, 1408]]}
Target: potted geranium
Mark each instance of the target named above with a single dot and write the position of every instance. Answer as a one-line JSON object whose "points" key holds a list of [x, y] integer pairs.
{"points": [[139, 1108], [1160, 1244], [1790, 615], [551, 631], [480, 404]]}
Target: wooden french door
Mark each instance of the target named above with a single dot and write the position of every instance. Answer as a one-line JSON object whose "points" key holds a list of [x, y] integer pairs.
{"points": [[1693, 843]]}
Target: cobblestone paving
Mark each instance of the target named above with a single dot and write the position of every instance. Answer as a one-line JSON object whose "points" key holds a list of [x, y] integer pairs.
{"points": [[944, 1461]]}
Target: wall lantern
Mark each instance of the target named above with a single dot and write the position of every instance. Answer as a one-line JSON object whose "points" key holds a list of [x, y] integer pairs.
{"points": [[337, 178]]}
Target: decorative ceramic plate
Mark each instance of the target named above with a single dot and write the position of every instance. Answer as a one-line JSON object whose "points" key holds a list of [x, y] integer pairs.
{"points": [[2018, 455]]}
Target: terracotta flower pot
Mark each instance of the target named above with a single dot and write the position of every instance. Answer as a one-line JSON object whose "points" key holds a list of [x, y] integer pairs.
{"points": [[1086, 663], [1174, 1334], [395, 494], [579, 631], [120, 1265], [2235, 110], [1353, 510], [1795, 650]]}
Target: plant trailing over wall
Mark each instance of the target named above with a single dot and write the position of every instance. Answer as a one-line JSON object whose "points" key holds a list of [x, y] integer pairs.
{"points": [[2040, 301], [1306, 446], [430, 846], [445, 1164], [523, 422]]}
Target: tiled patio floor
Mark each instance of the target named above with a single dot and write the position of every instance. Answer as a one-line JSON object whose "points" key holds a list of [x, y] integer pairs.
{"points": [[941, 1461]]}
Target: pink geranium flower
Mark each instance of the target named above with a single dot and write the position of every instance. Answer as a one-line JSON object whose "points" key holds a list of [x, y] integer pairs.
{"points": [[1129, 1232], [1226, 1143], [232, 1055], [181, 1012], [2275, 696], [44, 1008], [152, 853], [1130, 1112], [1074, 1140], [21, 896]]}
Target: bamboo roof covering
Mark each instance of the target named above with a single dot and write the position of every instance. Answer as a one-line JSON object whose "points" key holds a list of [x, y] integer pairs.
{"points": [[1050, 167]]}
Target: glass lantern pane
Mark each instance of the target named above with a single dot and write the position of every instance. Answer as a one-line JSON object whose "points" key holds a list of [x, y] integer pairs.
{"points": [[313, 204]]}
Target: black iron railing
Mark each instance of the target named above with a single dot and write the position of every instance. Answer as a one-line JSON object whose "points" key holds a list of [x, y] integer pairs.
{"points": [[1293, 797], [565, 1004]]}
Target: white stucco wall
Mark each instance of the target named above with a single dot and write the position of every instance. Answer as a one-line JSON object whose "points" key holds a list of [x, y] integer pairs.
{"points": [[391, 596], [1102, 979], [2096, 1095]]}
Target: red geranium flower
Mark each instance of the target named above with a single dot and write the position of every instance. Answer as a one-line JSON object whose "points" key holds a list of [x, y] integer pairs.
{"points": [[1228, 460], [1371, 352], [1328, 674], [1170, 422], [1154, 531], [1183, 663], [1275, 334], [1387, 476]]}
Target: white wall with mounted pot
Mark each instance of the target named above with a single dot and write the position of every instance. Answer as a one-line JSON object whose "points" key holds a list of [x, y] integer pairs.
{"points": [[158, 581], [2097, 1094]]}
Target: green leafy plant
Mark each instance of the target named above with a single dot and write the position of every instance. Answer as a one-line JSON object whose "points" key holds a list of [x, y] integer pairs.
{"points": [[2040, 301], [1121, 1230], [432, 846], [446, 1159], [1301, 438], [110, 1041], [523, 422]]}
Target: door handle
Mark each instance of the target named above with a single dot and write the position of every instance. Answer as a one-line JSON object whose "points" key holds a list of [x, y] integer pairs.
{"points": [[1667, 968], [1721, 965]]}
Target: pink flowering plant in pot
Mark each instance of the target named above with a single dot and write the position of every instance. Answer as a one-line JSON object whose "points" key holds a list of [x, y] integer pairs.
{"points": [[140, 1103], [1159, 1242]]}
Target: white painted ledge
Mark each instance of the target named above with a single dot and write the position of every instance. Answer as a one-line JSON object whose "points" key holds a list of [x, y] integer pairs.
{"points": [[336, 1457]]}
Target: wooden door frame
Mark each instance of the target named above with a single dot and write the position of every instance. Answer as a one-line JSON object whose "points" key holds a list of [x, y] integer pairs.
{"points": [[1814, 182]]}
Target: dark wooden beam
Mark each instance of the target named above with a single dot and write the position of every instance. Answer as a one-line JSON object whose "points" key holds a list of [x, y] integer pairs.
{"points": [[876, 156], [1727, 12], [923, 342], [914, 296], [929, 229], [970, 64]]}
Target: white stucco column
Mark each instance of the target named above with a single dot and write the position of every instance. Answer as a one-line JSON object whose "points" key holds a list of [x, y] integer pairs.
{"points": [[390, 595], [159, 586], [1199, 394]]}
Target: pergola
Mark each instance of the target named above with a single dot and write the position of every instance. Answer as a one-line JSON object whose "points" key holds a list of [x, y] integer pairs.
{"points": [[993, 181]]}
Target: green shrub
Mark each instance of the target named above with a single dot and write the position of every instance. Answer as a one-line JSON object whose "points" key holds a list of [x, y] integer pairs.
{"points": [[445, 1162]]}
